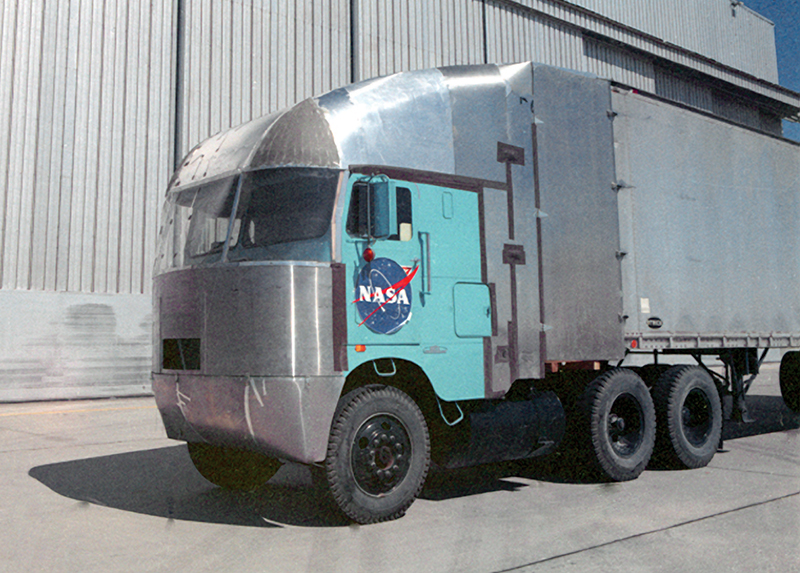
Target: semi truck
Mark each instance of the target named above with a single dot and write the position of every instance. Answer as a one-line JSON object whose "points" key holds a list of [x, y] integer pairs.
{"points": [[466, 265]]}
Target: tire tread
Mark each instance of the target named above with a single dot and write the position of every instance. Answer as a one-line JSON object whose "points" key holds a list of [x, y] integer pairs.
{"points": [[349, 407]]}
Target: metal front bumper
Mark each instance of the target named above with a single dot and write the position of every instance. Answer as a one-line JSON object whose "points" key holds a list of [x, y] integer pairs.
{"points": [[284, 417]]}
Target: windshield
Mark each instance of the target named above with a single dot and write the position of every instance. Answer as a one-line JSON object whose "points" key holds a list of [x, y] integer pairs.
{"points": [[282, 214], [195, 223]]}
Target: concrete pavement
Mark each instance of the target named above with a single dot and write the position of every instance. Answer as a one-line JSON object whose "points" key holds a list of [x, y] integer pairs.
{"points": [[96, 486]]}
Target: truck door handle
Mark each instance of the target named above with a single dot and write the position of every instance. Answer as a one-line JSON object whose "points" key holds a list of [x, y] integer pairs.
{"points": [[425, 244]]}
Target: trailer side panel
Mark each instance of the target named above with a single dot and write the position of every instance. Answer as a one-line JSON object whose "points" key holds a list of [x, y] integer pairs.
{"points": [[709, 220]]}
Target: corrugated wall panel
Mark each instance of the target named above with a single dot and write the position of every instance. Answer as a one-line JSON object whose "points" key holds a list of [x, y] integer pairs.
{"points": [[402, 35], [732, 35], [608, 61], [83, 93], [682, 90], [517, 35], [245, 58], [96, 103], [719, 42], [85, 154]]}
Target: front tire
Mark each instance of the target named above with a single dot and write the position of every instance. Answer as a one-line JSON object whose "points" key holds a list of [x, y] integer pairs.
{"points": [[378, 454], [230, 468], [619, 421], [689, 415], [789, 377]]}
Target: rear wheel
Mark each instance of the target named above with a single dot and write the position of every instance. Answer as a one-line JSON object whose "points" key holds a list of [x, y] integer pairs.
{"points": [[789, 376], [689, 414], [232, 468], [619, 419], [378, 454]]}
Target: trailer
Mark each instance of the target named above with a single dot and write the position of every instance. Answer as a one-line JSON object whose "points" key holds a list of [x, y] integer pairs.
{"points": [[456, 266]]}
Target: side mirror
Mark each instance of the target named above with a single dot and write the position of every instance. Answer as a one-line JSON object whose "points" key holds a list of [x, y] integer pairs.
{"points": [[373, 213], [384, 219]]}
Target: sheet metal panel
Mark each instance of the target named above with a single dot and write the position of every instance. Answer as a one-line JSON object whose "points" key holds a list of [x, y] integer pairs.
{"points": [[515, 35], [734, 36], [85, 153], [57, 345], [85, 148], [397, 36], [245, 58], [581, 281], [752, 42], [709, 221], [623, 66]]}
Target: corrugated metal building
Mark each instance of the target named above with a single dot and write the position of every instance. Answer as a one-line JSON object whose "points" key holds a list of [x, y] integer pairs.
{"points": [[99, 98]]}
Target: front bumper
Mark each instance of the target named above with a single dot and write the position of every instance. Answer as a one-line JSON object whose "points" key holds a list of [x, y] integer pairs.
{"points": [[284, 417]]}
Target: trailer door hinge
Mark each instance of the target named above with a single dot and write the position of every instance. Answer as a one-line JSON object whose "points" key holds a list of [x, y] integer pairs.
{"points": [[617, 185], [621, 255], [546, 327], [540, 214]]}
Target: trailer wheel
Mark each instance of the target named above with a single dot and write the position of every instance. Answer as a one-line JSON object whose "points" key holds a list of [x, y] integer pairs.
{"points": [[232, 468], [378, 454], [689, 416], [789, 377], [619, 413]]}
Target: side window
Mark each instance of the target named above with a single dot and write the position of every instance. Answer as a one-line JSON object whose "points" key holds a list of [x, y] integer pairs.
{"points": [[404, 223], [372, 214]]}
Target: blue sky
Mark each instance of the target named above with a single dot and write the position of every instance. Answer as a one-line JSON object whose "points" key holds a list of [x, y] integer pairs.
{"points": [[786, 16]]}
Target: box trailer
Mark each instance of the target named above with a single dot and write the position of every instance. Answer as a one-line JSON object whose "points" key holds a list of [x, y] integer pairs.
{"points": [[454, 266]]}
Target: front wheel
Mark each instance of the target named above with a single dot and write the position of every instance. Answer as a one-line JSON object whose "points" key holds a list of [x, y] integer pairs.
{"points": [[619, 421], [789, 378], [689, 414], [231, 468], [378, 454]]}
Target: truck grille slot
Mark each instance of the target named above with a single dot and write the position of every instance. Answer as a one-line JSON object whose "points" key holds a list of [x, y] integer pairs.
{"points": [[181, 354]]}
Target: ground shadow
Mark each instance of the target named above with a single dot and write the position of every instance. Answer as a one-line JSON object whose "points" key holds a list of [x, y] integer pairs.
{"points": [[564, 466], [163, 482], [768, 413]]}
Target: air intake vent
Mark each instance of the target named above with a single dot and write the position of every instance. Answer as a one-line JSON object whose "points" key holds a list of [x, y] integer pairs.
{"points": [[181, 354]]}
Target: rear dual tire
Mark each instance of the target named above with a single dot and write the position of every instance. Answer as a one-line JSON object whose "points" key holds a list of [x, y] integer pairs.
{"points": [[619, 421], [689, 414], [789, 377]]}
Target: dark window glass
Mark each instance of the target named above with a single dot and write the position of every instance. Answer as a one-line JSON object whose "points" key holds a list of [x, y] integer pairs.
{"points": [[403, 210], [284, 205]]}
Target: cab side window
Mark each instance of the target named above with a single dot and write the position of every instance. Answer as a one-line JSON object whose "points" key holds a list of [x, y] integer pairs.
{"points": [[404, 223], [363, 217]]}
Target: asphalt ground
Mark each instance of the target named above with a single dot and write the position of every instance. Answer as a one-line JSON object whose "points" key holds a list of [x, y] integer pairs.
{"points": [[95, 486]]}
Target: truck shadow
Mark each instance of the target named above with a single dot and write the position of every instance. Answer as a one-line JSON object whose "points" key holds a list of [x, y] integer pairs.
{"points": [[163, 482], [769, 414]]}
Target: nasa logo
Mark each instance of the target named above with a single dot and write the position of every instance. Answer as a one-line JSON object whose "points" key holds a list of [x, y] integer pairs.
{"points": [[384, 295]]}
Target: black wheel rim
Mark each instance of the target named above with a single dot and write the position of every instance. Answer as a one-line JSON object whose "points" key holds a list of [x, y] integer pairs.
{"points": [[381, 454], [625, 425], [696, 417]]}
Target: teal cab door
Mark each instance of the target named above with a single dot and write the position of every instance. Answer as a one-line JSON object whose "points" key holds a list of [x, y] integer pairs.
{"points": [[413, 254]]}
